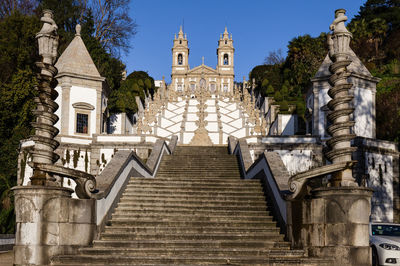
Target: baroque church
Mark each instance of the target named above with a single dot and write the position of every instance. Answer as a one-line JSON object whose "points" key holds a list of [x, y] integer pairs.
{"points": [[204, 106]]}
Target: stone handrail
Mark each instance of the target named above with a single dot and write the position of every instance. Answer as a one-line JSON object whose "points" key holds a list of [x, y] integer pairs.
{"points": [[241, 150], [270, 170], [299, 182], [85, 183], [114, 178]]}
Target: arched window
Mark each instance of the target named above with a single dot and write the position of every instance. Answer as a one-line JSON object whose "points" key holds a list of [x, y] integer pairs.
{"points": [[180, 59], [226, 59]]}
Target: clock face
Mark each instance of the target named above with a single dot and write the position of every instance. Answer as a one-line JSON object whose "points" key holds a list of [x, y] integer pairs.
{"points": [[202, 83]]}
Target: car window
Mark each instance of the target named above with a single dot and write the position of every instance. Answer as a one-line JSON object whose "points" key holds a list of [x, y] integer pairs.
{"points": [[385, 230]]}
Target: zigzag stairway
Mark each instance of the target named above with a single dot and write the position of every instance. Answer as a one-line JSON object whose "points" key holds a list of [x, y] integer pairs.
{"points": [[196, 211]]}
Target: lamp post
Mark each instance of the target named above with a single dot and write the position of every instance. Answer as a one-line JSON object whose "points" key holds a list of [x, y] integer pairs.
{"points": [[45, 144]]}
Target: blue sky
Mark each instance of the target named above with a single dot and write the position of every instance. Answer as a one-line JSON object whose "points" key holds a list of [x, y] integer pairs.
{"points": [[258, 27]]}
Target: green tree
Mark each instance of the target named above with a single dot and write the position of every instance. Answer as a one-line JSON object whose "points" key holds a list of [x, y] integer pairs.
{"points": [[305, 55]]}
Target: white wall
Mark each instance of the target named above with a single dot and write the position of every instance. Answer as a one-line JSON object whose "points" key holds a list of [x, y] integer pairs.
{"points": [[115, 124], [363, 103], [380, 170], [296, 161], [80, 94], [288, 124], [323, 99]]}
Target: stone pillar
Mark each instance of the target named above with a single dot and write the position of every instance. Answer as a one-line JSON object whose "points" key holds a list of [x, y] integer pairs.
{"points": [[45, 226], [66, 92], [340, 105], [333, 222], [48, 221]]}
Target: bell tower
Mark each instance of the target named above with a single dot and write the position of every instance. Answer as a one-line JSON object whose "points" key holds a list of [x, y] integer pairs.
{"points": [[225, 52], [180, 53], [225, 65]]}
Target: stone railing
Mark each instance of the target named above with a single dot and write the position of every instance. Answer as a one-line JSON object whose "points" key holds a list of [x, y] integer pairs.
{"points": [[270, 169], [7, 242]]}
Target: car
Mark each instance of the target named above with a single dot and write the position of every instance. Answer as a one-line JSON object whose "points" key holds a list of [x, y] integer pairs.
{"points": [[385, 243]]}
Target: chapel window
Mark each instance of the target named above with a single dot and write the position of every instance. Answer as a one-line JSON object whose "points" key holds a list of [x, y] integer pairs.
{"points": [[180, 59], [212, 87], [82, 123], [180, 87], [225, 88], [193, 87], [226, 59], [226, 42], [180, 41]]}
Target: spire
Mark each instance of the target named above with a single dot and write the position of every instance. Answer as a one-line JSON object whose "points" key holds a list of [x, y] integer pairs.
{"points": [[180, 34], [226, 34], [78, 30], [76, 59]]}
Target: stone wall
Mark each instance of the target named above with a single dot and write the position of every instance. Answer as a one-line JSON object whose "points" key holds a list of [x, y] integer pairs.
{"points": [[378, 168]]}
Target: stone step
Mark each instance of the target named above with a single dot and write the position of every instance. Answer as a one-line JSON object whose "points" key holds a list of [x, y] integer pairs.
{"points": [[205, 178], [191, 244], [200, 188], [192, 203], [189, 211], [207, 223], [213, 181], [186, 260], [178, 168], [189, 251], [197, 175], [189, 217], [228, 160], [193, 183], [179, 204], [193, 229], [199, 172], [138, 195], [214, 160], [189, 236]]}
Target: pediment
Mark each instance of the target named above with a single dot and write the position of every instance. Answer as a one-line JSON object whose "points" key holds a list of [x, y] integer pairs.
{"points": [[202, 69], [83, 105], [356, 67]]}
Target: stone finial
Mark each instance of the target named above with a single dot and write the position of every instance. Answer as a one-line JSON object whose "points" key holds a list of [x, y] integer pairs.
{"points": [[47, 38], [339, 40], [180, 34], [78, 30], [337, 25], [226, 34]]}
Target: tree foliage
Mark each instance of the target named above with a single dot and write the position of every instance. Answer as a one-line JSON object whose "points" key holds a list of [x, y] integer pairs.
{"points": [[138, 83], [17, 82], [376, 41], [113, 27]]}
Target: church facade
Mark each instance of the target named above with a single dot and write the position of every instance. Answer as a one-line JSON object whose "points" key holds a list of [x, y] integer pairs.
{"points": [[184, 78]]}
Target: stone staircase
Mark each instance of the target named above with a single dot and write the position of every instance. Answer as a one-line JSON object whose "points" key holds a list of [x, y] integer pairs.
{"points": [[196, 211]]}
